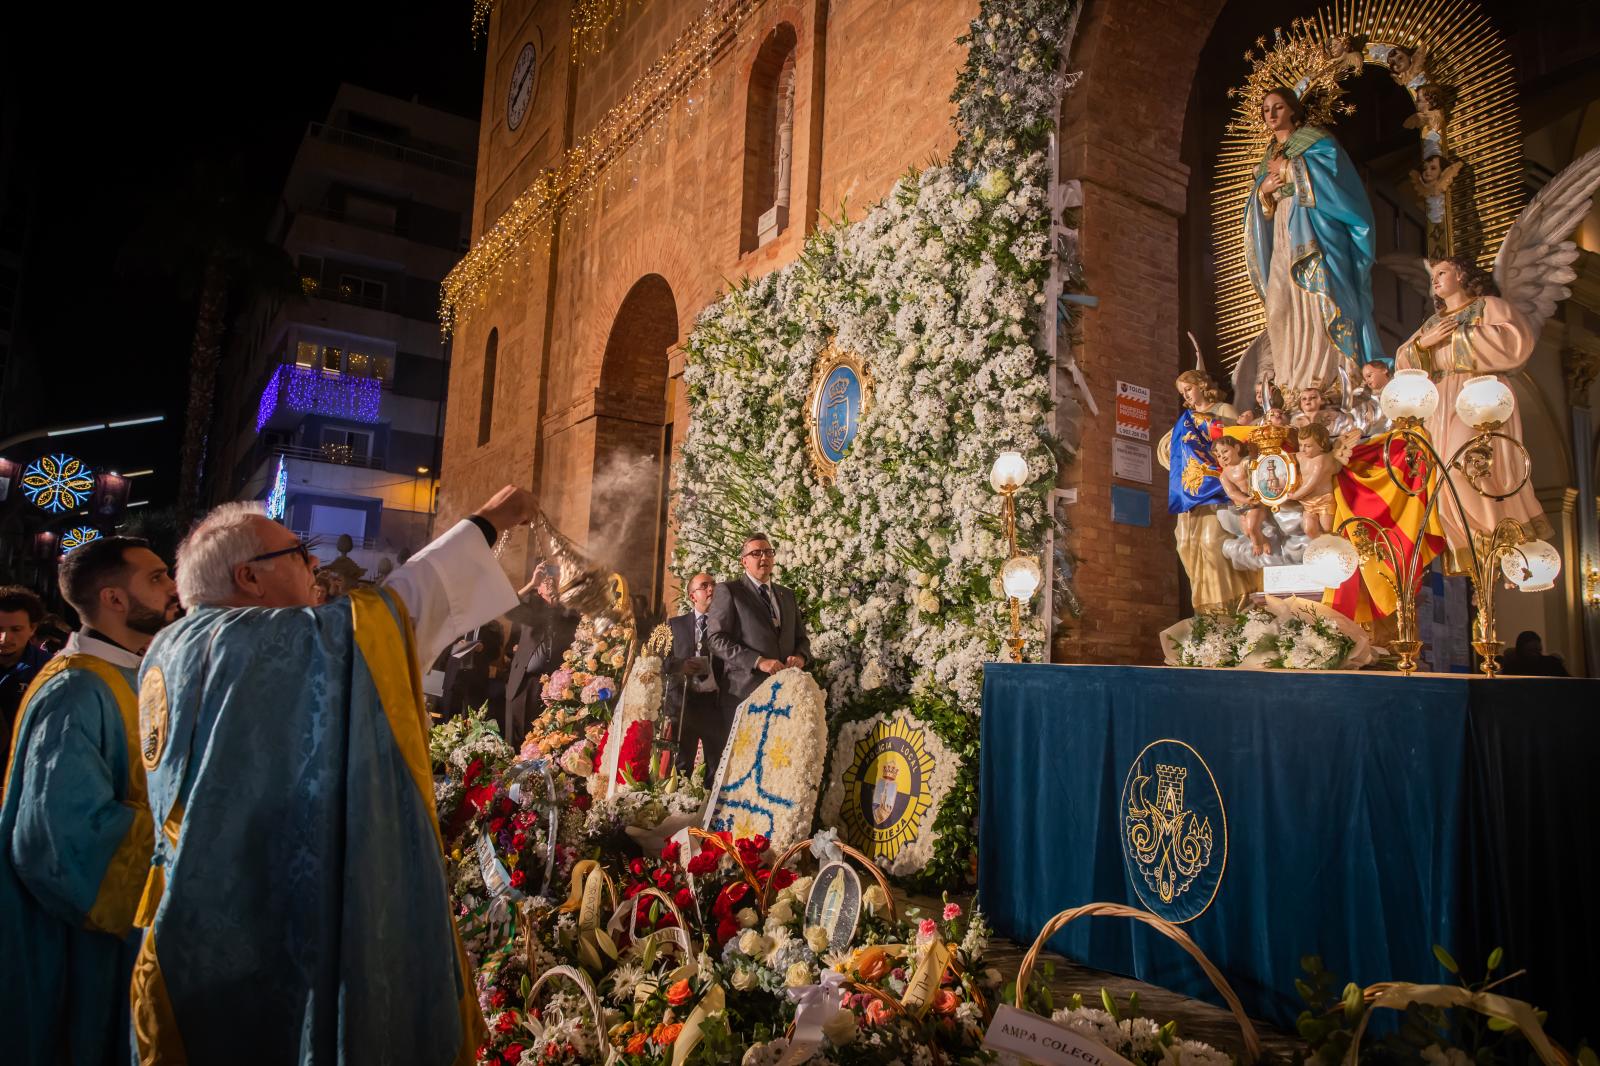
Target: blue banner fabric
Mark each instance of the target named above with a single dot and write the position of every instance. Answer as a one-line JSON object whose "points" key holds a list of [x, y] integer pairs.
{"points": [[1360, 817]]}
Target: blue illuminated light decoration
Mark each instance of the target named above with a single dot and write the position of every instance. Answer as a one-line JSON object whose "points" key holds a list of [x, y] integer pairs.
{"points": [[57, 483], [310, 391], [77, 537], [278, 498]]}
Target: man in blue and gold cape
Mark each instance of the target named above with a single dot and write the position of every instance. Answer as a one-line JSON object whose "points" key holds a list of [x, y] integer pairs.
{"points": [[75, 829], [297, 906]]}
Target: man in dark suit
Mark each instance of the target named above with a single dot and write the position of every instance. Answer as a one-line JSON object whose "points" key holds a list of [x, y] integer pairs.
{"points": [[756, 628], [695, 681], [544, 632]]}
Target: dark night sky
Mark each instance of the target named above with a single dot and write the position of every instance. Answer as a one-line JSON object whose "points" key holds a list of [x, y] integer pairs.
{"points": [[113, 105]]}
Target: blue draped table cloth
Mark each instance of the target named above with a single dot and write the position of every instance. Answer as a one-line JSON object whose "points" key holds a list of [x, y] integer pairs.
{"points": [[1362, 817]]}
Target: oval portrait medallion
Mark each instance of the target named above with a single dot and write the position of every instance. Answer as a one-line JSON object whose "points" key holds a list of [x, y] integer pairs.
{"points": [[841, 393]]}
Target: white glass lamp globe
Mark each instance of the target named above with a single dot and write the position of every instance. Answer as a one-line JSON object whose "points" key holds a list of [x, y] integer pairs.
{"points": [[1534, 567], [1009, 473], [1331, 560], [1020, 577], [1409, 394], [1484, 402]]}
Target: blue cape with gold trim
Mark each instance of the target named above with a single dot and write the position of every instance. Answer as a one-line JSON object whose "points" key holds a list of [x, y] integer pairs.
{"points": [[297, 900], [1189, 485]]}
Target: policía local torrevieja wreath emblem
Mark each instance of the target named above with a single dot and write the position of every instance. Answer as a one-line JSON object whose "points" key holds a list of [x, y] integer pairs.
{"points": [[890, 774], [1173, 830], [841, 393]]}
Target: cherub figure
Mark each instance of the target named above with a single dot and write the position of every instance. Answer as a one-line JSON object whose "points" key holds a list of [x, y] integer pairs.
{"points": [[1276, 417], [1233, 455], [1348, 49], [1265, 391], [1435, 177], [1312, 409], [1322, 456], [1430, 117], [1409, 66]]}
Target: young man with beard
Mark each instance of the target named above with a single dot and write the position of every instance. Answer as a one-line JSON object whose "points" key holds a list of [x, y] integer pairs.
{"points": [[74, 823]]}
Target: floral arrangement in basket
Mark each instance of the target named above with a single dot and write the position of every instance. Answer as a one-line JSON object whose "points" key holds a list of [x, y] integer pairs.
{"points": [[1135, 1037], [581, 693], [1281, 633]]}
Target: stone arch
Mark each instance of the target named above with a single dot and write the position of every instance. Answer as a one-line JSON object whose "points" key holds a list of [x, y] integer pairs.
{"points": [[769, 137], [633, 438]]}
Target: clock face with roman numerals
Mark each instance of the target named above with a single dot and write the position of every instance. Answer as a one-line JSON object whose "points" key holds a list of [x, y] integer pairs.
{"points": [[520, 95]]}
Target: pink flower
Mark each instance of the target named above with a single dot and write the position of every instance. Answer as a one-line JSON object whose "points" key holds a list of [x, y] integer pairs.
{"points": [[926, 929], [952, 911]]}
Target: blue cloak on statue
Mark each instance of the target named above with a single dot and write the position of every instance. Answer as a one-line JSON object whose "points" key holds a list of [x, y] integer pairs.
{"points": [[76, 839], [1192, 469], [1334, 245], [297, 904]]}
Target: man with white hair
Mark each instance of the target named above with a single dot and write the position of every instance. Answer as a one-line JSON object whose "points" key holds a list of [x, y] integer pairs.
{"points": [[298, 893]]}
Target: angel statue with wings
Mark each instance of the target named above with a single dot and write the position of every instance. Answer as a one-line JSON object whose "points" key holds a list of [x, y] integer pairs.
{"points": [[1489, 324]]}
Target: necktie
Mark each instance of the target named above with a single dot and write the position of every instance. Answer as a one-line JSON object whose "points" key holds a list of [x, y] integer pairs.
{"points": [[766, 598], [700, 636]]}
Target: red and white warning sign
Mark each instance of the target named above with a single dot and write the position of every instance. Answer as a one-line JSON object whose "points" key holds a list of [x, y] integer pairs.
{"points": [[1133, 411]]}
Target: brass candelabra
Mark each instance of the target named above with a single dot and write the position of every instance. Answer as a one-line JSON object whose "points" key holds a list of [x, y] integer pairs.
{"points": [[1020, 574]]}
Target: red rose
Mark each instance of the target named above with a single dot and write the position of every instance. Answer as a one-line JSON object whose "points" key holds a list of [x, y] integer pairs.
{"points": [[519, 839], [632, 890], [497, 998], [662, 877], [581, 801], [670, 852], [782, 879], [636, 867], [518, 878], [684, 899], [474, 768], [506, 1023], [704, 863], [506, 806], [480, 797], [513, 1055]]}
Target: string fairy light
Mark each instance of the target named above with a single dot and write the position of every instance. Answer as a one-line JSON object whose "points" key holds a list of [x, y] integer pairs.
{"points": [[576, 181]]}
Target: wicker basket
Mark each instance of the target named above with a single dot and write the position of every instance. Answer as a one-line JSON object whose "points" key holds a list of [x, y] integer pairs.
{"points": [[862, 860], [1252, 1042]]}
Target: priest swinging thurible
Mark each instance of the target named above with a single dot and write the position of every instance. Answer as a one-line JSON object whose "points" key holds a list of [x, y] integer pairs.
{"points": [[297, 893]]}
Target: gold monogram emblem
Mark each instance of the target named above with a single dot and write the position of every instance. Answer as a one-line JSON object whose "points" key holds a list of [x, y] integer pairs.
{"points": [[1169, 842], [153, 714], [1174, 830]]}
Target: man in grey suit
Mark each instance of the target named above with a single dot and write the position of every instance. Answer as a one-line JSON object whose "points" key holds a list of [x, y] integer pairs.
{"points": [[695, 681], [756, 628]]}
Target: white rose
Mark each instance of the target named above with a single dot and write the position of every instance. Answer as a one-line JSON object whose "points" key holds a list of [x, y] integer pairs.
{"points": [[753, 943], [745, 980], [748, 918], [798, 974], [781, 912], [817, 939], [841, 1028]]}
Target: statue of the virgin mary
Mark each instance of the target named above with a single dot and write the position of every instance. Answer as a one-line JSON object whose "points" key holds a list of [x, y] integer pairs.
{"points": [[1309, 249]]}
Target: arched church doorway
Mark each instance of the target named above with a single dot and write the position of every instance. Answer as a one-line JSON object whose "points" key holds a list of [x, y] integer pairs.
{"points": [[633, 440]]}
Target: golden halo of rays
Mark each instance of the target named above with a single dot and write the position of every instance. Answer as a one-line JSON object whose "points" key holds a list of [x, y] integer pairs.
{"points": [[1465, 52], [886, 842]]}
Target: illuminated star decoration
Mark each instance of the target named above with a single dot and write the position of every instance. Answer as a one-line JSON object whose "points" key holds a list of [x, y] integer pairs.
{"points": [[57, 483], [77, 537], [278, 498]]}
